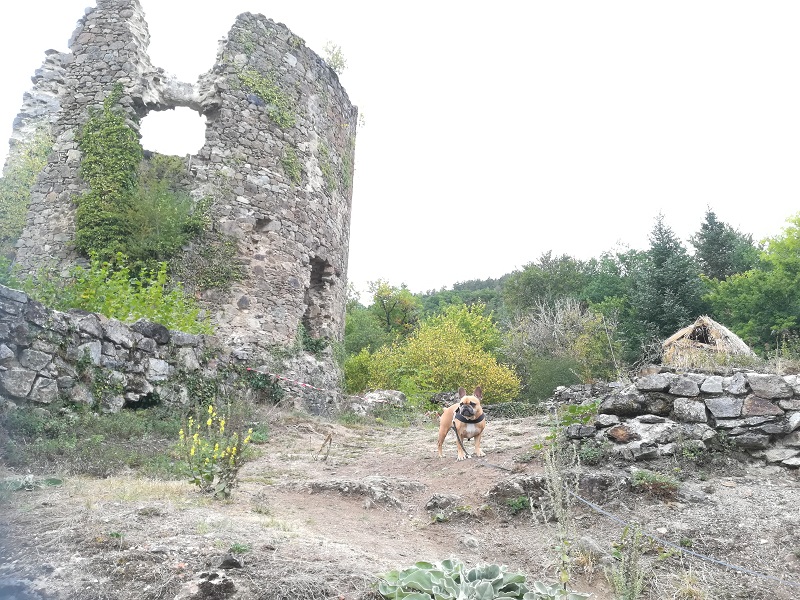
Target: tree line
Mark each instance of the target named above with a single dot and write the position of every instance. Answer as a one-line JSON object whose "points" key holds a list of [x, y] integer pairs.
{"points": [[562, 320]]}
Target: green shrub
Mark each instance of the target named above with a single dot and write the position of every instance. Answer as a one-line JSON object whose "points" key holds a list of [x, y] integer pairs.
{"points": [[512, 410], [163, 217], [311, 344], [439, 356], [265, 386], [356, 372], [334, 57], [110, 289], [591, 453], [24, 164], [519, 504], [563, 329], [543, 374], [451, 580], [82, 442], [363, 330]]}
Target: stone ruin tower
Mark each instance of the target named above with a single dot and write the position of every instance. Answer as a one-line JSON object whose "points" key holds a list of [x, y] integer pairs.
{"points": [[276, 166]]}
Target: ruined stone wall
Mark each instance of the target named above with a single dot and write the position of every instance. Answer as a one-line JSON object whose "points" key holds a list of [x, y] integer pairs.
{"points": [[661, 413], [49, 357], [108, 46], [277, 166]]}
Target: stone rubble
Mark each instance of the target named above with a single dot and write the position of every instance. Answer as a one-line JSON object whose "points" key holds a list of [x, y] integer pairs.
{"points": [[664, 412]]}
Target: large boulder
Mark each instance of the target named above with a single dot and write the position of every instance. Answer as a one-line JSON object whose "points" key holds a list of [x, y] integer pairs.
{"points": [[770, 387], [690, 411], [364, 405], [627, 402], [725, 407]]}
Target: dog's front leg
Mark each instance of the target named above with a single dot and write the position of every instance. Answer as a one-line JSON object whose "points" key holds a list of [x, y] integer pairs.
{"points": [[478, 451], [461, 454]]}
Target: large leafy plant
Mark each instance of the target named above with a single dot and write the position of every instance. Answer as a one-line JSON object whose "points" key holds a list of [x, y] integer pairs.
{"points": [[452, 580]]}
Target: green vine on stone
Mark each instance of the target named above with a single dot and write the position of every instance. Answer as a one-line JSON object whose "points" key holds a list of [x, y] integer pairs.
{"points": [[247, 40], [134, 206], [347, 165], [291, 165], [24, 164], [263, 86], [110, 164]]}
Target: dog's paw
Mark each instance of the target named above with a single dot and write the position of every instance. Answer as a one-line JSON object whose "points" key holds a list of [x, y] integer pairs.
{"points": [[480, 453]]}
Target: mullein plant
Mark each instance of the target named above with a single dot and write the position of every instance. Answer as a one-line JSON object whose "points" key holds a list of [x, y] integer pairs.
{"points": [[213, 458]]}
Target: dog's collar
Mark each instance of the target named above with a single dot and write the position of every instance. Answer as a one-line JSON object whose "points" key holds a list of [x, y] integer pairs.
{"points": [[463, 419]]}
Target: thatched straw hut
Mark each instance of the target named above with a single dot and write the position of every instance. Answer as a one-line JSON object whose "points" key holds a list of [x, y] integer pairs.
{"points": [[704, 343]]}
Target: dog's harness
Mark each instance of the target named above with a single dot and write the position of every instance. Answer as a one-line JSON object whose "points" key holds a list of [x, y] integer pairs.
{"points": [[459, 417]]}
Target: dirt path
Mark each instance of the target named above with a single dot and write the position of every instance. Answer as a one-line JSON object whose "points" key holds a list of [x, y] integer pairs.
{"points": [[308, 526]]}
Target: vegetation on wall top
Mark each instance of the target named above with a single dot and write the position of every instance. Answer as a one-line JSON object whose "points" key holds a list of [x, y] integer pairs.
{"points": [[111, 289], [135, 206], [278, 103]]}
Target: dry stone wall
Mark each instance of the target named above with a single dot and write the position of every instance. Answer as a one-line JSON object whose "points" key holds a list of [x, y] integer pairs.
{"points": [[49, 357], [277, 166], [661, 413]]}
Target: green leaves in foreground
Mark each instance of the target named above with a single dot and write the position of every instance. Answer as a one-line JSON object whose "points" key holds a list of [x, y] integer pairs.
{"points": [[451, 580]]}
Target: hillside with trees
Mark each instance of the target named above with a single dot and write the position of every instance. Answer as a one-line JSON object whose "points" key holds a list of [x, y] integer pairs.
{"points": [[561, 320]]}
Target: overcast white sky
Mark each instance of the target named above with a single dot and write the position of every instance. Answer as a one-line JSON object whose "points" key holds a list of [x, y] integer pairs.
{"points": [[496, 131]]}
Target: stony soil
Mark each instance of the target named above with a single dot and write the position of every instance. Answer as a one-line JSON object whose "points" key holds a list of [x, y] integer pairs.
{"points": [[308, 524]]}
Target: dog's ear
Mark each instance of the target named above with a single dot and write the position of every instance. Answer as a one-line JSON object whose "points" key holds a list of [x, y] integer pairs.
{"points": [[478, 393], [461, 393]]}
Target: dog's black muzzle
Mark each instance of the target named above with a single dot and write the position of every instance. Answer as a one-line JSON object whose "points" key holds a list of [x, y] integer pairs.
{"points": [[466, 411]]}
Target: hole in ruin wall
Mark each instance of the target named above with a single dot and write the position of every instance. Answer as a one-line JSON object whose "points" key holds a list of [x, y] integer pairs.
{"points": [[274, 163], [177, 132], [318, 299]]}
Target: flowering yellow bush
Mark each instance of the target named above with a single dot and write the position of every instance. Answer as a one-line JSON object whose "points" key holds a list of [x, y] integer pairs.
{"points": [[439, 356], [212, 458]]}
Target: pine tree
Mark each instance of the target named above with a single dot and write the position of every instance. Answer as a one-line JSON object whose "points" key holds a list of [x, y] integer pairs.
{"points": [[667, 291], [721, 250]]}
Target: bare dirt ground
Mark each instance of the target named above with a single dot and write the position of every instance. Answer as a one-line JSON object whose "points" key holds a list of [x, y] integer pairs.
{"points": [[306, 524]]}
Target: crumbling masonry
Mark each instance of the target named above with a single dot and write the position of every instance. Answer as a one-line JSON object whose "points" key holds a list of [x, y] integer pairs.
{"points": [[277, 164]]}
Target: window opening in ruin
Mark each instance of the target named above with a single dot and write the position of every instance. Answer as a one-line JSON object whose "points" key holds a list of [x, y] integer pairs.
{"points": [[701, 334], [317, 316], [262, 225], [177, 132]]}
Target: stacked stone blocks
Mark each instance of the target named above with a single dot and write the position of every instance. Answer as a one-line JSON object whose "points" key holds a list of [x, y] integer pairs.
{"points": [[649, 418]]}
